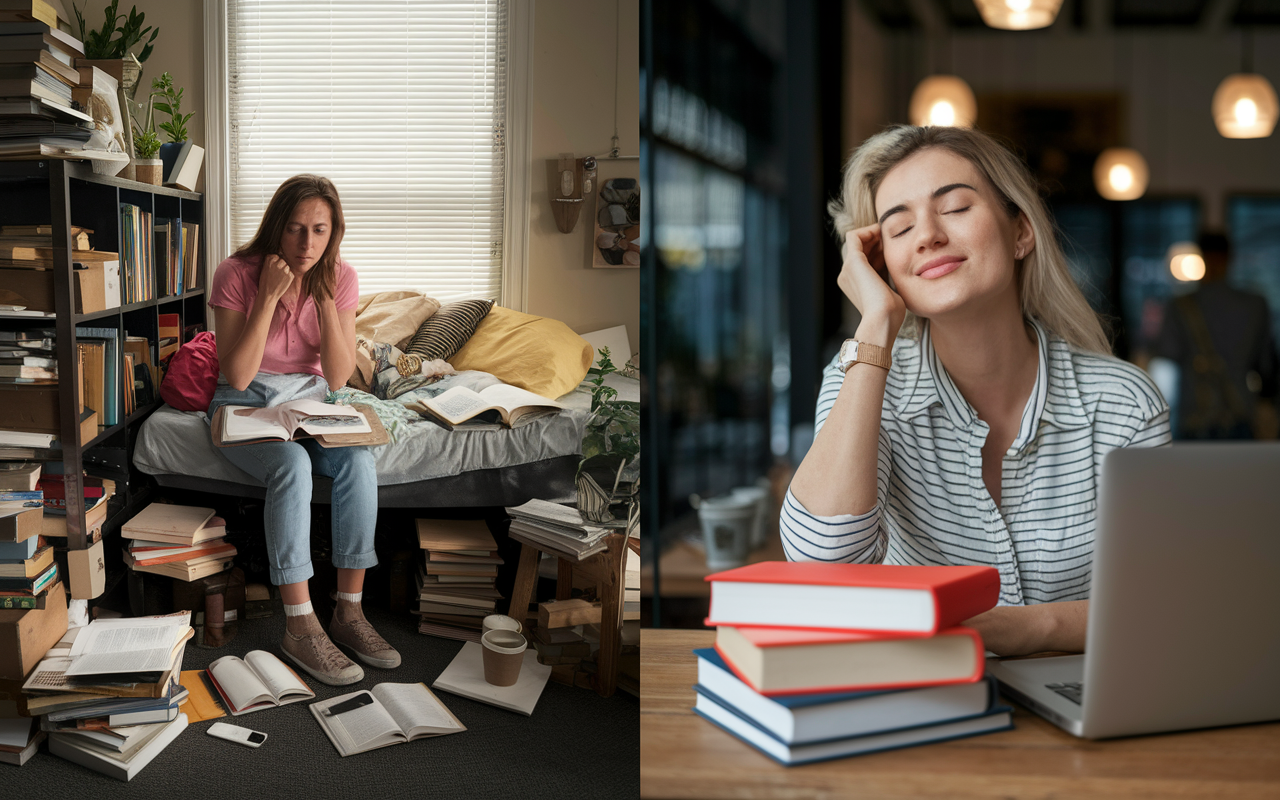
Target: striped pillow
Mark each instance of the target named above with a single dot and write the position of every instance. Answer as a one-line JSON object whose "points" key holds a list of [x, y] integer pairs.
{"points": [[448, 329]]}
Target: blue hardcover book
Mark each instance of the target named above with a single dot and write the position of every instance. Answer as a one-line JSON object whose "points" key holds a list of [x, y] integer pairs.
{"points": [[817, 717], [17, 500]]}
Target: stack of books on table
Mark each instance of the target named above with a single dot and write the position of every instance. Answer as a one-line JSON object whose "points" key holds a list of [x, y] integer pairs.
{"points": [[814, 661], [108, 694], [182, 542], [456, 583], [558, 529]]}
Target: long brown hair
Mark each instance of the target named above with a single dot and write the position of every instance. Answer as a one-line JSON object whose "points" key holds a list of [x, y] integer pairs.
{"points": [[320, 281], [1048, 293]]}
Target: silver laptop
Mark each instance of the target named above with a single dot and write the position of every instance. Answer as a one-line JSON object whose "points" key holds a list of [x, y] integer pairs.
{"points": [[1184, 623]]}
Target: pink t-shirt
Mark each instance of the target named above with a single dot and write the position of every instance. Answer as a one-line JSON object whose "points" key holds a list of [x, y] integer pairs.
{"points": [[293, 341]]}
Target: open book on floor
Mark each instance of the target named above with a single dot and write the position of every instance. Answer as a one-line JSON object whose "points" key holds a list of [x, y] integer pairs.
{"points": [[391, 713], [329, 424], [258, 681], [498, 404]]}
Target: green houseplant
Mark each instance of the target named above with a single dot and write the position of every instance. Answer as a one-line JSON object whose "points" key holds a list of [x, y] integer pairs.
{"points": [[113, 45], [610, 453], [148, 168], [168, 100]]}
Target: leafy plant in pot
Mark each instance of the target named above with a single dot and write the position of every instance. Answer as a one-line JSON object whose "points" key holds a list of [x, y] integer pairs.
{"points": [[608, 478], [176, 128], [113, 53], [146, 150]]}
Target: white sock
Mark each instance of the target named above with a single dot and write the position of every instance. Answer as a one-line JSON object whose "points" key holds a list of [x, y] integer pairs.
{"points": [[351, 597], [299, 610]]}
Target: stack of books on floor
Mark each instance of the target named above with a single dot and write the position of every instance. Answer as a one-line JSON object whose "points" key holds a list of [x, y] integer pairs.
{"points": [[558, 529], [182, 542], [27, 568], [108, 694], [456, 583], [814, 661]]}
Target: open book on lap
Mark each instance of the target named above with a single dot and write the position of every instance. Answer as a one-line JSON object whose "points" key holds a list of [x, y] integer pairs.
{"points": [[258, 681], [395, 713], [329, 424], [498, 404]]}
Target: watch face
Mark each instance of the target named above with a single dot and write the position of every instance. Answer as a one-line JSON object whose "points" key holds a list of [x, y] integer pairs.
{"points": [[849, 351]]}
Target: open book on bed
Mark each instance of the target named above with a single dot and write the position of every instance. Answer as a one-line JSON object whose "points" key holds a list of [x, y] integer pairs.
{"points": [[500, 404], [391, 713], [330, 425], [258, 681]]}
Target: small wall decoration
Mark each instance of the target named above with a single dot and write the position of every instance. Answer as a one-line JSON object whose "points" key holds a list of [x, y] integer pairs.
{"points": [[617, 224]]}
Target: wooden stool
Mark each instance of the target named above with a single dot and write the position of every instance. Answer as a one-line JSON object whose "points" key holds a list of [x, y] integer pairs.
{"points": [[605, 568]]}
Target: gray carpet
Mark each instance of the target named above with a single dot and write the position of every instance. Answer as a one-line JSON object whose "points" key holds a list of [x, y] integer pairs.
{"points": [[576, 744]]}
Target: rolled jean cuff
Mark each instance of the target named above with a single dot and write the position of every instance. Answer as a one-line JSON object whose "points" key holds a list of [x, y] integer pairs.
{"points": [[280, 577], [355, 560]]}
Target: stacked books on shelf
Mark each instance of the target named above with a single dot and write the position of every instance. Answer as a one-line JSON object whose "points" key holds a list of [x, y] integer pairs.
{"points": [[27, 356], [38, 86], [27, 568], [456, 583], [137, 254], [814, 661], [175, 243], [29, 255], [182, 542], [108, 693], [558, 529]]}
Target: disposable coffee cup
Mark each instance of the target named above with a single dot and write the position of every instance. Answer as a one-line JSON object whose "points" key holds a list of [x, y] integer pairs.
{"points": [[760, 523], [500, 622], [726, 529], [503, 656]]}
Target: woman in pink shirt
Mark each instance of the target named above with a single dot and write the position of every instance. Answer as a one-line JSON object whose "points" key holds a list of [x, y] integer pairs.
{"points": [[284, 307]]}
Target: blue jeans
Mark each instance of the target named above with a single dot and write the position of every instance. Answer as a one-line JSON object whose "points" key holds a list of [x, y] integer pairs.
{"points": [[286, 469]]}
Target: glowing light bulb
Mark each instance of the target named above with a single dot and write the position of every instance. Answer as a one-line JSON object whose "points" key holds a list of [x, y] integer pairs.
{"points": [[1192, 267], [1121, 177], [1018, 6], [1246, 111], [942, 113]]}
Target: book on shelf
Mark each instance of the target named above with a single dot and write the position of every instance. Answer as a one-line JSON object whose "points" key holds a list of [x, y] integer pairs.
{"points": [[65, 40], [19, 550], [64, 47], [465, 677], [40, 87], [23, 585], [47, 57], [10, 438], [776, 661], [137, 254], [42, 235], [167, 326], [26, 10], [109, 395], [257, 681], [329, 424], [500, 404], [48, 75], [20, 524], [120, 766], [191, 254], [30, 567], [998, 718], [392, 713], [866, 597], [186, 167], [31, 499]]}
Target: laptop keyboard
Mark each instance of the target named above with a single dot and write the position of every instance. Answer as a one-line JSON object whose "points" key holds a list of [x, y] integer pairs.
{"points": [[1071, 690]]}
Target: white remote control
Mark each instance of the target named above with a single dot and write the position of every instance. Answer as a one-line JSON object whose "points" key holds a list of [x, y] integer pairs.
{"points": [[234, 733]]}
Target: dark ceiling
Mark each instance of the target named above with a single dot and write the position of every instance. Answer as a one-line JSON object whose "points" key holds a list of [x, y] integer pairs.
{"points": [[898, 14]]}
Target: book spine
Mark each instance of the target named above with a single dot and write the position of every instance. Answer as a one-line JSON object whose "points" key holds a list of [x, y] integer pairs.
{"points": [[11, 601]]}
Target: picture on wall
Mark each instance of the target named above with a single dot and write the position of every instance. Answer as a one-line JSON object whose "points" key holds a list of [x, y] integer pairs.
{"points": [[617, 224]]}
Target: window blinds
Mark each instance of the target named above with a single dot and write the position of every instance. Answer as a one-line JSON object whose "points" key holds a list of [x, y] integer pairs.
{"points": [[402, 106]]}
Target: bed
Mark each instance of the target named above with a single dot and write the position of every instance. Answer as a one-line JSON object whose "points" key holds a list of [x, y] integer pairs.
{"points": [[425, 464]]}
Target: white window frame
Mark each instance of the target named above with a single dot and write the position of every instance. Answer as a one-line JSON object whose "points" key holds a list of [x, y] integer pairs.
{"points": [[519, 147]]}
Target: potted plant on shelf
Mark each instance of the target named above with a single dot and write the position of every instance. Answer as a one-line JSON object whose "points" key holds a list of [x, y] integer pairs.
{"points": [[114, 54], [178, 148], [608, 478], [146, 152]]}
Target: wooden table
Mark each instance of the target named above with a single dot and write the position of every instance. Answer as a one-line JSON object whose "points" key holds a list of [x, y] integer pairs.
{"points": [[682, 755], [605, 570]]}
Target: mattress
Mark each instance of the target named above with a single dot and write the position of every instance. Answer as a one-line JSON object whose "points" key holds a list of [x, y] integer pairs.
{"points": [[424, 465]]}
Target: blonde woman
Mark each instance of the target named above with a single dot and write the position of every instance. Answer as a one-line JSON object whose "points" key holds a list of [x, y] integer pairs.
{"points": [[969, 423]]}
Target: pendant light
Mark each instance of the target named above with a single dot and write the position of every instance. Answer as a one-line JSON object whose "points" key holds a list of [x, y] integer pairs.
{"points": [[1018, 15], [1244, 105], [1186, 261], [1120, 173], [943, 100]]}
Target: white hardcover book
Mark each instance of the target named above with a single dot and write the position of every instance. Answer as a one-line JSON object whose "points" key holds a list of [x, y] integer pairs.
{"points": [[118, 768]]}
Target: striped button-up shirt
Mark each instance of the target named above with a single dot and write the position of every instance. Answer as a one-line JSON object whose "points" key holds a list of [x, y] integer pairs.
{"points": [[932, 504]]}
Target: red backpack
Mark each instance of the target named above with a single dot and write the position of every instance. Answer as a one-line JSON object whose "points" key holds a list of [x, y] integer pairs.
{"points": [[192, 375]]}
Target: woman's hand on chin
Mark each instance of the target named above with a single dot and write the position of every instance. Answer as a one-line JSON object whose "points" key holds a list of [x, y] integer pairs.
{"points": [[276, 278]]}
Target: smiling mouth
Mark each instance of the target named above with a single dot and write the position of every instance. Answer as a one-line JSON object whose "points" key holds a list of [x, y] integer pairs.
{"points": [[941, 269]]}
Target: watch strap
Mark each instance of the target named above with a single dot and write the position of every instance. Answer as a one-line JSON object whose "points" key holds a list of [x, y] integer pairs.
{"points": [[872, 354]]}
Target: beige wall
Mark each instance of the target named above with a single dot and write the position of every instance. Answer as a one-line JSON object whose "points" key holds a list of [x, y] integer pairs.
{"points": [[573, 100]]}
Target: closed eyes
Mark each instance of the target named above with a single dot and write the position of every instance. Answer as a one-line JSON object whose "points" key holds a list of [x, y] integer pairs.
{"points": [[909, 227]]}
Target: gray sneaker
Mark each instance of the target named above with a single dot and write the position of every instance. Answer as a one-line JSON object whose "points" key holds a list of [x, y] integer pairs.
{"points": [[357, 636], [316, 654]]}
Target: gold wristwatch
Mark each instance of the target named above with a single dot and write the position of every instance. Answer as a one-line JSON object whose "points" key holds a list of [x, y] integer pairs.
{"points": [[855, 352]]}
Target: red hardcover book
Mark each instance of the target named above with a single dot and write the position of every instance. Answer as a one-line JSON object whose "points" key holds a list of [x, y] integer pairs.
{"points": [[220, 550], [851, 597], [787, 661]]}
